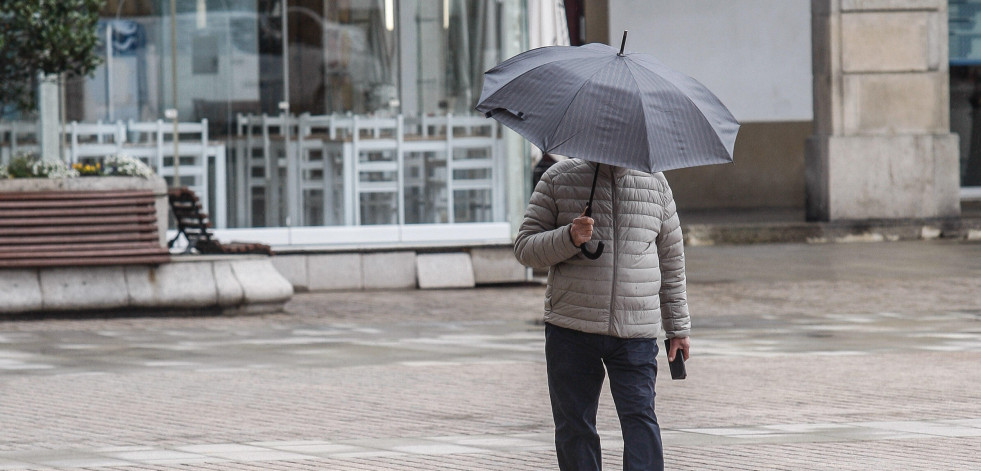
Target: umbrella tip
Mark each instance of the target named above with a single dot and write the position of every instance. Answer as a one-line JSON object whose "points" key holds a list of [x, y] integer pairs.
{"points": [[623, 43]]}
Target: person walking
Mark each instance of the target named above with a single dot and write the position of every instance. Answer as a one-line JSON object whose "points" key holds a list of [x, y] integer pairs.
{"points": [[606, 312]]}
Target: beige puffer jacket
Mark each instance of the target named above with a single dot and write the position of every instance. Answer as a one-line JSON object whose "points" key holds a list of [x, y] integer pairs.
{"points": [[638, 282]]}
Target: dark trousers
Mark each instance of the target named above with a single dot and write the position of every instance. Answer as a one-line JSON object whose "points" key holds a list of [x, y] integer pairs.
{"points": [[575, 363]]}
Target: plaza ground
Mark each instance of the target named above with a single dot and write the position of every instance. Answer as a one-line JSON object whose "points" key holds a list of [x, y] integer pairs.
{"points": [[823, 356]]}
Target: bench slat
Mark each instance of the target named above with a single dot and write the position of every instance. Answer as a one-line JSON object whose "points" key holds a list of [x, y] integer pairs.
{"points": [[78, 221], [75, 238], [68, 252], [73, 211], [47, 229], [55, 262], [73, 195], [86, 229], [75, 203], [191, 224], [80, 246]]}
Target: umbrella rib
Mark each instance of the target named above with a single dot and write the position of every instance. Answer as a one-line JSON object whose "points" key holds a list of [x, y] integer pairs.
{"points": [[643, 112], [556, 146], [699, 115], [569, 105]]}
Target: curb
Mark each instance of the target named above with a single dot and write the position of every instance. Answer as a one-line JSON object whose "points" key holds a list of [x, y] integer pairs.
{"points": [[963, 228]]}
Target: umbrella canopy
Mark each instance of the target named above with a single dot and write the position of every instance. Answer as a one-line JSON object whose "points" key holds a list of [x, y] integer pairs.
{"points": [[627, 110]]}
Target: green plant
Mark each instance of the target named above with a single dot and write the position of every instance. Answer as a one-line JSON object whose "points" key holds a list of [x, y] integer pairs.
{"points": [[20, 165], [31, 166], [44, 37]]}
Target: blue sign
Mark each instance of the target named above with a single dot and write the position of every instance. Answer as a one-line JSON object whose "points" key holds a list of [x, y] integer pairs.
{"points": [[128, 37]]}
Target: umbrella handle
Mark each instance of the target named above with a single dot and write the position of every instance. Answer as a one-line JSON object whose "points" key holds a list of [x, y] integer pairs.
{"points": [[592, 255], [589, 213]]}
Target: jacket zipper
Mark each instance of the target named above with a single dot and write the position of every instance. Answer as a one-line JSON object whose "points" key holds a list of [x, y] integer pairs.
{"points": [[613, 290]]}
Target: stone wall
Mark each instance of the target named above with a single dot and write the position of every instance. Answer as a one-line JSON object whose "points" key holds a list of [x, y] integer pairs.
{"points": [[882, 146], [767, 172], [223, 284]]}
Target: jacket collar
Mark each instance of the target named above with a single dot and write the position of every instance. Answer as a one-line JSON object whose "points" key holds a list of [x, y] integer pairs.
{"points": [[606, 169]]}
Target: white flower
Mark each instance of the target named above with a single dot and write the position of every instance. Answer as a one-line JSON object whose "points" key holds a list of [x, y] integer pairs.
{"points": [[124, 165], [52, 169], [3, 172]]}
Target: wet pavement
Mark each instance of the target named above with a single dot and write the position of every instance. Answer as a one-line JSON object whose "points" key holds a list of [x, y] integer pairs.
{"points": [[845, 356]]}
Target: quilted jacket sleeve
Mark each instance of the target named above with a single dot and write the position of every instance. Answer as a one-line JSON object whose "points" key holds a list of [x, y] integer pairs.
{"points": [[540, 244], [671, 251]]}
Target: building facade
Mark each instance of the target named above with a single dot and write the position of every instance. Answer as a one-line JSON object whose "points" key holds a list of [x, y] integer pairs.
{"points": [[350, 121], [328, 113], [837, 99]]}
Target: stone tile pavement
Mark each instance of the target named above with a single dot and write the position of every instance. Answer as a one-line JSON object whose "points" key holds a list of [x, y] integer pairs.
{"points": [[847, 357]]}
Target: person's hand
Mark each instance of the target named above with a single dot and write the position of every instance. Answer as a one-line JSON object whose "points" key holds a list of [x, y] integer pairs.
{"points": [[582, 229], [679, 343]]}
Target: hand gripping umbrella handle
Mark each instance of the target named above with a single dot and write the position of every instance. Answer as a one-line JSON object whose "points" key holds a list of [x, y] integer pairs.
{"points": [[599, 247], [589, 213]]}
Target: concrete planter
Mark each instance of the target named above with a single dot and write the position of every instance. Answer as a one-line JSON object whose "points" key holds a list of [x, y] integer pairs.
{"points": [[217, 284], [224, 284], [156, 184]]}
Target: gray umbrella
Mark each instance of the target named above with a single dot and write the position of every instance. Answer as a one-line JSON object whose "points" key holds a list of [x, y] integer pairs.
{"points": [[628, 110], [594, 103]]}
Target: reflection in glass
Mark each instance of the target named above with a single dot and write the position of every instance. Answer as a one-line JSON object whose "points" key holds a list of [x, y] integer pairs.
{"points": [[965, 120], [418, 59]]}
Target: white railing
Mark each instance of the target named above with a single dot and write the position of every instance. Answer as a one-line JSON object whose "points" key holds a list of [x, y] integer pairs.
{"points": [[17, 137], [361, 170], [152, 142], [313, 171], [202, 163], [377, 237]]}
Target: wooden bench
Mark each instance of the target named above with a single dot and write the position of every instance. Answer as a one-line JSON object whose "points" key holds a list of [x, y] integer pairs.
{"points": [[193, 224], [51, 228]]}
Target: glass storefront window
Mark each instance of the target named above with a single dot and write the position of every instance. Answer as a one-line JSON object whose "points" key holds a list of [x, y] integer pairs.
{"points": [[965, 120], [217, 63], [453, 43], [240, 61], [965, 85]]}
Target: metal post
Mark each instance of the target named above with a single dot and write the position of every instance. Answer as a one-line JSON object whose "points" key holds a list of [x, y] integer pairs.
{"points": [[173, 79], [109, 104], [62, 115], [286, 53]]}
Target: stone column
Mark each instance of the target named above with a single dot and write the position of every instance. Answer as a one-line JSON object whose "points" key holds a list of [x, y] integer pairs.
{"points": [[882, 147], [49, 124]]}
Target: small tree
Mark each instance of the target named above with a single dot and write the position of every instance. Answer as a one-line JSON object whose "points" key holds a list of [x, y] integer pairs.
{"points": [[44, 37]]}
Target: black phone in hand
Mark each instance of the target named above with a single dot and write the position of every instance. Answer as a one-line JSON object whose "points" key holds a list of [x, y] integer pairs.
{"points": [[678, 365]]}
